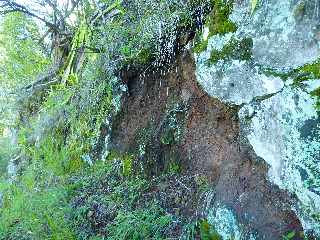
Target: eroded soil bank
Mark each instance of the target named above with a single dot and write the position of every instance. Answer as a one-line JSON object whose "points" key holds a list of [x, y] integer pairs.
{"points": [[173, 125]]}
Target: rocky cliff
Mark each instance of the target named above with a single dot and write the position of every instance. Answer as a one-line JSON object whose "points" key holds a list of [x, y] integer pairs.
{"points": [[188, 120]]}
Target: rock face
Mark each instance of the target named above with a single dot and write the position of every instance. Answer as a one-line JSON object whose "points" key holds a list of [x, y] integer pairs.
{"points": [[247, 108], [285, 33], [284, 131], [232, 81], [170, 122], [277, 117]]}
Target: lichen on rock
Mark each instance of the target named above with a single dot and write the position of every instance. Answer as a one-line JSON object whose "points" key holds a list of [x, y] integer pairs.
{"points": [[153, 137], [284, 131], [227, 225], [276, 88]]}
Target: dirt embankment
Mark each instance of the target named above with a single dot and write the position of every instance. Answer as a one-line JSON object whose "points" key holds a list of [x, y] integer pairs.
{"points": [[169, 122]]}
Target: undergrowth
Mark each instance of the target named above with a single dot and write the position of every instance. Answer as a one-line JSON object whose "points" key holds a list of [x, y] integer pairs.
{"points": [[62, 189]]}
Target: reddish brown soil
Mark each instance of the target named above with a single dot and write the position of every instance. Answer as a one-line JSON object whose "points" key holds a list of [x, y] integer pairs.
{"points": [[210, 145]]}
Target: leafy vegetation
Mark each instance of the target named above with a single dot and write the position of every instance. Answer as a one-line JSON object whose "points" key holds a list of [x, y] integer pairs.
{"points": [[22, 59], [65, 184], [106, 204], [208, 232], [60, 76], [219, 22], [254, 4]]}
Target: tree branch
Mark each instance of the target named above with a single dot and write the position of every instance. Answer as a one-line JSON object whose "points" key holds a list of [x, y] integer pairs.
{"points": [[109, 12], [45, 78], [9, 6], [74, 5]]}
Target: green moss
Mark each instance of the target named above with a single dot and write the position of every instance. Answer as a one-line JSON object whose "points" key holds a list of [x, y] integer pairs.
{"points": [[235, 49], [316, 94], [208, 232], [200, 45], [127, 163], [307, 72], [136, 56], [126, 159], [304, 73], [290, 235], [174, 168], [218, 21], [299, 10], [271, 72], [144, 56], [310, 70]]}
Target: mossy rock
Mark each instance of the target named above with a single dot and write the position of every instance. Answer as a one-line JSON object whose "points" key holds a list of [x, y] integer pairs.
{"points": [[235, 49], [217, 22]]}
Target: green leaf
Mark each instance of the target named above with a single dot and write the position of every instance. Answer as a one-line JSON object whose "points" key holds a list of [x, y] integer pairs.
{"points": [[289, 235], [254, 4]]}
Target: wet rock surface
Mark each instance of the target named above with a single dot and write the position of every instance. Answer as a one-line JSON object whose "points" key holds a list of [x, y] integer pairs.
{"points": [[168, 120]]}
